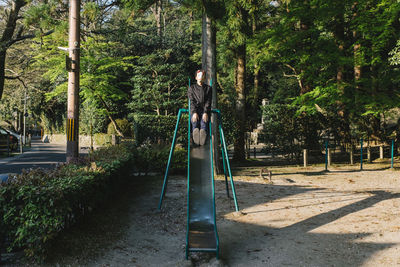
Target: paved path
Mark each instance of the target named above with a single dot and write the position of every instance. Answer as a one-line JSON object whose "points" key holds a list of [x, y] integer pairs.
{"points": [[43, 155]]}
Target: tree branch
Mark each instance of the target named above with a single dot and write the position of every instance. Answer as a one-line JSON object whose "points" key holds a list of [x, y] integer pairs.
{"points": [[11, 77], [28, 36], [289, 75], [290, 67]]}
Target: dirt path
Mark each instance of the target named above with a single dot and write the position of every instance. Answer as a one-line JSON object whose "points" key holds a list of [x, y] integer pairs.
{"points": [[303, 218], [339, 218]]}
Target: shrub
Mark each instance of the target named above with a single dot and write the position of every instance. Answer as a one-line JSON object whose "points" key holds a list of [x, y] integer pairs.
{"points": [[151, 157], [36, 206], [123, 124], [281, 130], [159, 129]]}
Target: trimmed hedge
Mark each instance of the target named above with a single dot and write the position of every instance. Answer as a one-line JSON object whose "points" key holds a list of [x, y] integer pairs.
{"points": [[159, 129], [36, 206], [154, 158], [124, 126]]}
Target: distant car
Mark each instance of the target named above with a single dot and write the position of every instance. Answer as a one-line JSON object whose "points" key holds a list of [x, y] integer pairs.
{"points": [[13, 139]]}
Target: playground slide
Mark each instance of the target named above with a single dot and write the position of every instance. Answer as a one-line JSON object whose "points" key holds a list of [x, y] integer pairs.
{"points": [[202, 235], [202, 231]]}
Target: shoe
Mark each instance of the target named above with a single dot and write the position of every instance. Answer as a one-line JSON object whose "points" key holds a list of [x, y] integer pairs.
{"points": [[203, 137], [196, 136]]}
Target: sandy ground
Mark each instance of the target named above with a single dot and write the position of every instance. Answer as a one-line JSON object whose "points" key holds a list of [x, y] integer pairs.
{"points": [[305, 217]]}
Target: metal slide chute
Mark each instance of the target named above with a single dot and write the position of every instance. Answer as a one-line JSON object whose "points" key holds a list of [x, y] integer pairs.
{"points": [[202, 235]]}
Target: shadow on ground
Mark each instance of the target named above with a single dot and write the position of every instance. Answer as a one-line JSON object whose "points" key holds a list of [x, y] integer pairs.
{"points": [[130, 230], [296, 244]]}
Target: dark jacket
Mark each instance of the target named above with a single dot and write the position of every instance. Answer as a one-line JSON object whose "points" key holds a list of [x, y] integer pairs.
{"points": [[200, 98]]}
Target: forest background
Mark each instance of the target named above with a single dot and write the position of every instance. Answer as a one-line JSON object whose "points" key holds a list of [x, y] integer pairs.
{"points": [[328, 68]]}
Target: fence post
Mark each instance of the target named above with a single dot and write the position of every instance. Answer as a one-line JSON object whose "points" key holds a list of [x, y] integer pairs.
{"points": [[329, 157], [351, 154], [381, 151], [247, 146], [369, 154], [20, 144], [326, 155], [361, 143], [305, 157], [255, 152], [391, 163]]}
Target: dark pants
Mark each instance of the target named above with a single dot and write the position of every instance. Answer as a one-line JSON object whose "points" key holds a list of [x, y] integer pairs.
{"points": [[199, 123]]}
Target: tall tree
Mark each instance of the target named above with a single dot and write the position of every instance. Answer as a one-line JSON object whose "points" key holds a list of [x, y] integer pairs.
{"points": [[211, 12], [239, 28], [9, 35]]}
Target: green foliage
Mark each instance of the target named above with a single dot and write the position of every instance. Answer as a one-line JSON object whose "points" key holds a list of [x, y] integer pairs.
{"points": [[153, 158], [91, 121], [302, 53], [37, 205], [158, 83], [123, 124], [288, 133], [159, 129], [160, 75], [138, 5], [281, 129], [395, 55]]}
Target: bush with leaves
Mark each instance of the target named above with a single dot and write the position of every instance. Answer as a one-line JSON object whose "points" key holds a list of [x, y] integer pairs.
{"points": [[159, 129], [123, 124], [281, 129], [154, 158], [37, 205]]}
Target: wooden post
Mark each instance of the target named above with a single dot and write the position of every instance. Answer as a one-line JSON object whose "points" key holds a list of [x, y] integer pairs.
{"points": [[351, 155], [20, 144], [73, 82], [329, 157], [305, 157], [113, 140], [369, 154], [381, 151]]}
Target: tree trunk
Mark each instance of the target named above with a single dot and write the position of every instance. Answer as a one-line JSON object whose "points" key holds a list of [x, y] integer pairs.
{"points": [[204, 42], [157, 12], [7, 37], [256, 83], [158, 17], [240, 107], [116, 127], [209, 60], [2, 71], [339, 34], [339, 38], [305, 25], [256, 73], [356, 53]]}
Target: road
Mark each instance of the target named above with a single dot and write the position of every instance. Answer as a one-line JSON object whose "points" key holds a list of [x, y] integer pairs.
{"points": [[43, 155]]}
